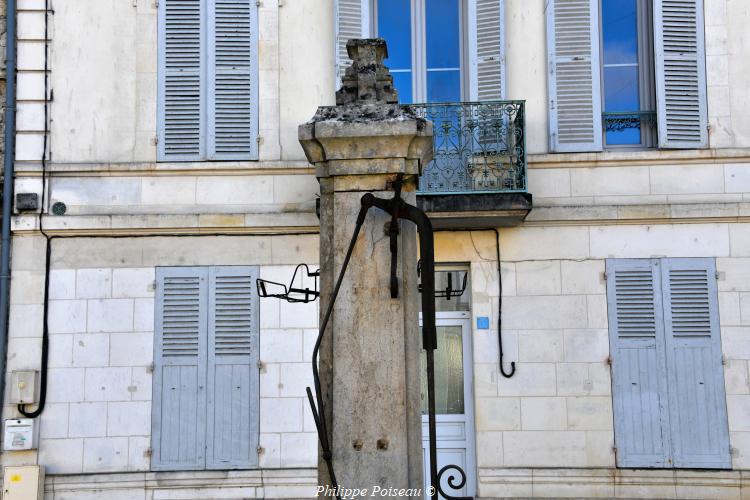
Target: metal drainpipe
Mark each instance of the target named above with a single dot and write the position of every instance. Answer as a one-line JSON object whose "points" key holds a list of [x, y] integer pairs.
{"points": [[10, 128]]}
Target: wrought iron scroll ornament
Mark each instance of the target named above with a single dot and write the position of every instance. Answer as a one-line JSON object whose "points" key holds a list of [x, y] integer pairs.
{"points": [[291, 293], [478, 146]]}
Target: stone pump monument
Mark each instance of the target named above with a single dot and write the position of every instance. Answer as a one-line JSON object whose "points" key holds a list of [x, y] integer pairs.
{"points": [[368, 151]]}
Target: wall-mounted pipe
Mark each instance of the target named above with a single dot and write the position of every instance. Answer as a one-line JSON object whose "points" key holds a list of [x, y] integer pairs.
{"points": [[48, 239], [9, 150], [500, 311]]}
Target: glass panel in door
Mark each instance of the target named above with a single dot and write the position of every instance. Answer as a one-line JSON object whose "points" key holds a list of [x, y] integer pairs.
{"points": [[449, 373]]}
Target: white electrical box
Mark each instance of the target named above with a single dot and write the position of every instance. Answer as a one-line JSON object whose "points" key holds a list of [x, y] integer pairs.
{"points": [[20, 434], [23, 385], [23, 483]]}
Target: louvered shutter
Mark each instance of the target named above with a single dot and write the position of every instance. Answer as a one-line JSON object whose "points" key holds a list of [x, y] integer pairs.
{"points": [[181, 80], [233, 379], [232, 76], [487, 42], [700, 436], [575, 108], [179, 386], [352, 21], [638, 363], [680, 73]]}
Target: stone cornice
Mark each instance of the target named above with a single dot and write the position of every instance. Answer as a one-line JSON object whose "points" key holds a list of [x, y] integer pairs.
{"points": [[175, 224], [144, 169], [174, 231], [639, 158]]}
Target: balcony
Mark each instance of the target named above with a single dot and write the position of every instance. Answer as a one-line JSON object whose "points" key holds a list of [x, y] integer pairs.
{"points": [[477, 178]]}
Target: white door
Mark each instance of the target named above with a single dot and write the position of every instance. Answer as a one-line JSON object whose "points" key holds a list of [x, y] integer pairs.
{"points": [[454, 402]]}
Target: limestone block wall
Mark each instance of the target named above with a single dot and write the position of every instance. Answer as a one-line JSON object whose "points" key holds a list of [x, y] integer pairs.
{"points": [[547, 427], [555, 414], [665, 184], [217, 201], [205, 194], [556, 411], [101, 321]]}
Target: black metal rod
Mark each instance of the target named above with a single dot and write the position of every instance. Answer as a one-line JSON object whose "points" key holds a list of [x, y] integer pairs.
{"points": [[393, 232], [8, 173], [432, 424], [500, 311], [429, 328], [319, 411]]}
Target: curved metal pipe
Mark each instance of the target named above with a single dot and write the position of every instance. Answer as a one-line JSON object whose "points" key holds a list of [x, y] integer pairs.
{"points": [[9, 136], [397, 207], [500, 311]]}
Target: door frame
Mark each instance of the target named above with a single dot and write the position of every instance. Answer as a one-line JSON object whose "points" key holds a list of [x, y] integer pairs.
{"points": [[463, 319]]}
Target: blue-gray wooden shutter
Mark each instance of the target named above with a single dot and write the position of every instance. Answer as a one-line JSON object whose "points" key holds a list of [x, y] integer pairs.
{"points": [[574, 84], [699, 429], [638, 363], [179, 386], [487, 42], [352, 21], [233, 378], [232, 94], [181, 80], [680, 67]]}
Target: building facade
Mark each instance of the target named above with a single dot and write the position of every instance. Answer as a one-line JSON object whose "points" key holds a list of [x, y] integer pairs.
{"points": [[173, 178]]}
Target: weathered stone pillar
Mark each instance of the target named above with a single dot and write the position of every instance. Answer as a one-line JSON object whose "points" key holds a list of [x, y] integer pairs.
{"points": [[369, 360]]}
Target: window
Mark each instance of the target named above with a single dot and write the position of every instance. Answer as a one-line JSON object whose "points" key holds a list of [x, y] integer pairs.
{"points": [[439, 50], [615, 65], [435, 28], [628, 100], [667, 374], [206, 381], [208, 80]]}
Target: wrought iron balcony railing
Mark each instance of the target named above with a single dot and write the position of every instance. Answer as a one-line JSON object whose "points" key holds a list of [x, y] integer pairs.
{"points": [[480, 147]]}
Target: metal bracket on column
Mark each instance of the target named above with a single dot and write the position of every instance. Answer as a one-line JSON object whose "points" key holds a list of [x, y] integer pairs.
{"points": [[291, 293], [393, 231], [448, 292]]}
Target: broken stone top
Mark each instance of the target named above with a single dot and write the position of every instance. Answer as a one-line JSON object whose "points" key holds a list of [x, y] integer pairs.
{"points": [[367, 94], [367, 80], [367, 122]]}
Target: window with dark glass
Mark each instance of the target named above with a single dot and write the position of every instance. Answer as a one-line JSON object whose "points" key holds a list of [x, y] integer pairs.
{"points": [[628, 100]]}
